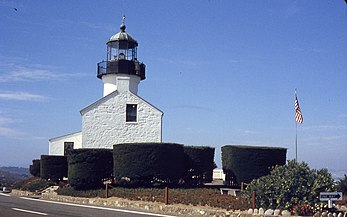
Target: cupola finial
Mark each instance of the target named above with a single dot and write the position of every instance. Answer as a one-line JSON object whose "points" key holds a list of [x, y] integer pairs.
{"points": [[122, 26]]}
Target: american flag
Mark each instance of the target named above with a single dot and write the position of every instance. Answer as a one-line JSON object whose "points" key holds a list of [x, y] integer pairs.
{"points": [[298, 115]]}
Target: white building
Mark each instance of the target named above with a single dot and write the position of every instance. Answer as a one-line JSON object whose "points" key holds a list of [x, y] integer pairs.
{"points": [[120, 116], [218, 174], [61, 144]]}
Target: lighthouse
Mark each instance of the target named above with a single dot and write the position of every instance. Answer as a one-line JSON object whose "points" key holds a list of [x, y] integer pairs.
{"points": [[120, 115], [121, 71]]}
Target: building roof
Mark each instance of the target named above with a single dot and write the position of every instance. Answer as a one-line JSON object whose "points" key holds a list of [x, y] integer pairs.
{"points": [[65, 136], [114, 94], [123, 36]]}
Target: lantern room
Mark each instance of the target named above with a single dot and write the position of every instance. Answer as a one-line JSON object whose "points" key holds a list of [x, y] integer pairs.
{"points": [[121, 56], [122, 46]]}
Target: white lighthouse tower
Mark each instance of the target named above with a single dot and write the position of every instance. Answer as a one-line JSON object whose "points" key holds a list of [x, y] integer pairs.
{"points": [[121, 71], [120, 116]]}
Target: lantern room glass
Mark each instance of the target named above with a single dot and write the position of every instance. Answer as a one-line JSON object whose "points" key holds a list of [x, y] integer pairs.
{"points": [[116, 52]]}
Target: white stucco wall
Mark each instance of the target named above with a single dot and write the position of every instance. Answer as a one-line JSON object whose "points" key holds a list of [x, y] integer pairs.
{"points": [[121, 83], [104, 124], [110, 83], [128, 83], [56, 145]]}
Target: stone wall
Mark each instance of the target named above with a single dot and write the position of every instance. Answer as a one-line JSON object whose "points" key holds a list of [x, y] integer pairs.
{"points": [[153, 207], [160, 208]]}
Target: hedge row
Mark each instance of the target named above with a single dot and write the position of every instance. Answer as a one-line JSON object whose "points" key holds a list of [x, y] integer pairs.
{"points": [[245, 163], [148, 164], [88, 167], [132, 164], [53, 167]]}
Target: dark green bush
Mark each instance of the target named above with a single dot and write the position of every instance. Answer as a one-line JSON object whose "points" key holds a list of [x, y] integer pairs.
{"points": [[53, 167], [88, 167], [143, 164], [34, 168], [245, 163], [199, 164], [291, 186]]}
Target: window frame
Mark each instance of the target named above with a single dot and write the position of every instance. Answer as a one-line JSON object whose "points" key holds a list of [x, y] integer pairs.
{"points": [[68, 146], [129, 116]]}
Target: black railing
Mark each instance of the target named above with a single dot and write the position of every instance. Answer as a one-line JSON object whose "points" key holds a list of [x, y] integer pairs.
{"points": [[121, 67]]}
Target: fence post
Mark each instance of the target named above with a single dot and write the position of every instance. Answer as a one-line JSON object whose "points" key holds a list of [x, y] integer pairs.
{"points": [[166, 195], [253, 200], [106, 190]]}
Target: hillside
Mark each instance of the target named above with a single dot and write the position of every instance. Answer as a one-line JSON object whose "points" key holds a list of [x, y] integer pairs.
{"points": [[10, 175]]}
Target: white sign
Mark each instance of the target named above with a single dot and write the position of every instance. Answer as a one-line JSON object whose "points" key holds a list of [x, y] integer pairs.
{"points": [[326, 196]]}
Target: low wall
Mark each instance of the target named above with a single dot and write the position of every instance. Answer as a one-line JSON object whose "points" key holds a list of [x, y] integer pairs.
{"points": [[155, 207], [177, 210]]}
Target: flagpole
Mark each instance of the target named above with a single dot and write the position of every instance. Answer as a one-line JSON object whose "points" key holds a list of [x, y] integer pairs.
{"points": [[298, 119], [296, 142], [296, 136]]}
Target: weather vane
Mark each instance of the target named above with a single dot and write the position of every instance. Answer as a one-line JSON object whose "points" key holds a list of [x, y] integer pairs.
{"points": [[123, 19]]}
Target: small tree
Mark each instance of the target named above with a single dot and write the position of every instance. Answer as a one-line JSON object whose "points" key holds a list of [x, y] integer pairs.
{"points": [[289, 186]]}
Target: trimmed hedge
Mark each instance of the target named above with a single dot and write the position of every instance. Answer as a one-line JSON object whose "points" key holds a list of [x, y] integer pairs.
{"points": [[88, 167], [245, 163], [34, 168], [53, 167], [145, 164], [199, 164]]}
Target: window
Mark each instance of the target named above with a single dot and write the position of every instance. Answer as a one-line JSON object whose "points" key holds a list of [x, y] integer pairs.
{"points": [[131, 115], [68, 146]]}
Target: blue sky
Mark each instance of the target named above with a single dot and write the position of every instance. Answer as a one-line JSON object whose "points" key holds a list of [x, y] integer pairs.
{"points": [[223, 72]]}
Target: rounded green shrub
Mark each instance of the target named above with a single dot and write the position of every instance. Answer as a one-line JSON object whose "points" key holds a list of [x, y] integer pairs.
{"points": [[143, 164], [88, 167], [53, 167], [290, 186], [245, 163]]}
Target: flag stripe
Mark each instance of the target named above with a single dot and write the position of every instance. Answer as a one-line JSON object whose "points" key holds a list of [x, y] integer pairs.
{"points": [[298, 115]]}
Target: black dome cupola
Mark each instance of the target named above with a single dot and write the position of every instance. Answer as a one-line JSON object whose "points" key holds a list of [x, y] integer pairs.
{"points": [[121, 56]]}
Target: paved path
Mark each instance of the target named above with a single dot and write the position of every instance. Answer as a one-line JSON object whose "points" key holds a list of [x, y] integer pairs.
{"points": [[13, 206]]}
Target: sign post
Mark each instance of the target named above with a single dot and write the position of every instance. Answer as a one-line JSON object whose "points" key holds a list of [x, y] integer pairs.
{"points": [[330, 197]]}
